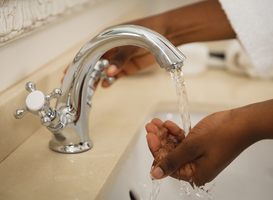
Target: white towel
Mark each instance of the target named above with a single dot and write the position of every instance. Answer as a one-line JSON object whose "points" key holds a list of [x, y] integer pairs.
{"points": [[252, 21]]}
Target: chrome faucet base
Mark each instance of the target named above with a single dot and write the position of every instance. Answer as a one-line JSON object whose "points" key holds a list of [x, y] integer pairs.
{"points": [[71, 148]]}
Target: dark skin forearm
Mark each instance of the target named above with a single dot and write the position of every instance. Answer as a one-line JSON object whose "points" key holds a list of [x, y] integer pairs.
{"points": [[256, 120], [203, 21]]}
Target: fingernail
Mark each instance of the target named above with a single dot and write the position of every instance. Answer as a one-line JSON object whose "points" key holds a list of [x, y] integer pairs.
{"points": [[112, 69], [157, 173]]}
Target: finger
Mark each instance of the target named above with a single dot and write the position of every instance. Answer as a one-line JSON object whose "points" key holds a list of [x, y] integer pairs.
{"points": [[153, 128], [153, 143], [106, 84], [153, 135], [159, 129], [184, 153], [113, 69], [158, 123], [175, 130]]}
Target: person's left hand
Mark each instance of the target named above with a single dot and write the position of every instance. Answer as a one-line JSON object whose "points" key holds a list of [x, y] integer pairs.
{"points": [[126, 60]]}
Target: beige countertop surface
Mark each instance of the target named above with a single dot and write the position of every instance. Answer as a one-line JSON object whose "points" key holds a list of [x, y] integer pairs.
{"points": [[118, 114]]}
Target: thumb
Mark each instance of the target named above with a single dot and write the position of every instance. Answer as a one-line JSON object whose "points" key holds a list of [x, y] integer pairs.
{"points": [[119, 60], [183, 154]]}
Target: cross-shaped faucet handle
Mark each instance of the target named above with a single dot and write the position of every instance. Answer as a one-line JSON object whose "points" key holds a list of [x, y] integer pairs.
{"points": [[37, 103]]}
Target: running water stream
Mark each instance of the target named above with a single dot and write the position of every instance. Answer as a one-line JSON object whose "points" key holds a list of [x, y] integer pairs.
{"points": [[204, 192], [179, 83]]}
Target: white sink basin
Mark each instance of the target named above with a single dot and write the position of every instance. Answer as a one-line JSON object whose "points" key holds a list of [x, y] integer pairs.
{"points": [[249, 177]]}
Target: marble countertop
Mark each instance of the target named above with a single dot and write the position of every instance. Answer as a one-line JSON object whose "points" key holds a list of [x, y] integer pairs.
{"points": [[118, 115]]}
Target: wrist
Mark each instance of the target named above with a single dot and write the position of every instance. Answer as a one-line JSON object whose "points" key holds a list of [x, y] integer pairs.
{"points": [[255, 121]]}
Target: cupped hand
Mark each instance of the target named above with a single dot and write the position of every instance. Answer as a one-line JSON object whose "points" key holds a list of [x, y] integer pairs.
{"points": [[163, 138], [209, 147]]}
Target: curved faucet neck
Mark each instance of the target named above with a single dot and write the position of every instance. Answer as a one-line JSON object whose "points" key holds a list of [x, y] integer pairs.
{"points": [[78, 80]]}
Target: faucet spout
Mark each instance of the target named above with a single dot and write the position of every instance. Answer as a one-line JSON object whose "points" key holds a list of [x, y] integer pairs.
{"points": [[74, 105]]}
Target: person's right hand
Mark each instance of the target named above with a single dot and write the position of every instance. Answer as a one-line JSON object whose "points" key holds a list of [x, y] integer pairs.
{"points": [[209, 147]]}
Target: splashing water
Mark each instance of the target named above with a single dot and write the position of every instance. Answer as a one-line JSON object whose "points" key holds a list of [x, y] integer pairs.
{"points": [[185, 190], [156, 187], [204, 192]]}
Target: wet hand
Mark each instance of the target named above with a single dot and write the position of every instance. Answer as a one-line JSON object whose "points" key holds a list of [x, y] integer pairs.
{"points": [[163, 138], [209, 147]]}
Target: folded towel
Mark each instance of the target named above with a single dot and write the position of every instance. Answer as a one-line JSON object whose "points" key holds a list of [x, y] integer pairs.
{"points": [[197, 55], [252, 22], [238, 61]]}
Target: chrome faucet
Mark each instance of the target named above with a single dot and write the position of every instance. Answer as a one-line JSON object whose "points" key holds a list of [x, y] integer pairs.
{"points": [[68, 121]]}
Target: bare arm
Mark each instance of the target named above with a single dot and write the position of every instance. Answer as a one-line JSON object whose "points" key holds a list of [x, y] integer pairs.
{"points": [[204, 21]]}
